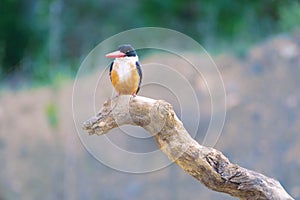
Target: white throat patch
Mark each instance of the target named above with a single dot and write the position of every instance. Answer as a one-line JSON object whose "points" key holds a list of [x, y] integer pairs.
{"points": [[124, 67]]}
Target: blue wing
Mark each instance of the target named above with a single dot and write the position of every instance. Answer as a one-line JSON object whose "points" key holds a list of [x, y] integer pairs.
{"points": [[139, 69]]}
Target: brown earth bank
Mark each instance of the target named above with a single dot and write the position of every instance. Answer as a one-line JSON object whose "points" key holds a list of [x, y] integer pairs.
{"points": [[42, 156]]}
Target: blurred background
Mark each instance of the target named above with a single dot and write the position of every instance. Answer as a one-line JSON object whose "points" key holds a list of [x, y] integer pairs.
{"points": [[256, 46]]}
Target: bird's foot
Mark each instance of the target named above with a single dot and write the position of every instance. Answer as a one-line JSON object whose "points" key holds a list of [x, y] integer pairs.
{"points": [[132, 96], [116, 96]]}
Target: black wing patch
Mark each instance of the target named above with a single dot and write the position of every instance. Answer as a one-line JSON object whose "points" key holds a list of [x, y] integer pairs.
{"points": [[110, 68], [139, 69]]}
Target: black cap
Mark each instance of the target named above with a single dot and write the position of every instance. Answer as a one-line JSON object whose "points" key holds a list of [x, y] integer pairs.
{"points": [[127, 49]]}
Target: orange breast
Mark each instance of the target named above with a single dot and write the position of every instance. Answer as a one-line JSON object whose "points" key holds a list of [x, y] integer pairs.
{"points": [[128, 85], [114, 78]]}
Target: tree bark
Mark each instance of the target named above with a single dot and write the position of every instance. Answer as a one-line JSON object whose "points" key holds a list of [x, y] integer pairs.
{"points": [[206, 164]]}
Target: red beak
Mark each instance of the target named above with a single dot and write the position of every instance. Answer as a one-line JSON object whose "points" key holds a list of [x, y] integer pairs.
{"points": [[115, 54]]}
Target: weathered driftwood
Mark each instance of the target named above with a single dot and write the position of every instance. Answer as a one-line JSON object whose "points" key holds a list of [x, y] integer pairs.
{"points": [[206, 164]]}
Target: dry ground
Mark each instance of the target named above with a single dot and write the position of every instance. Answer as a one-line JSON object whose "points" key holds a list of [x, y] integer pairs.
{"points": [[41, 156]]}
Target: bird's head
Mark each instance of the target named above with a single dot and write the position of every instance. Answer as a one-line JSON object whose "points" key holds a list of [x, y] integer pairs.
{"points": [[124, 50]]}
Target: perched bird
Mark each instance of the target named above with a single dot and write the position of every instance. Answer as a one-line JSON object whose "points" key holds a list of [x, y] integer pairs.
{"points": [[125, 71]]}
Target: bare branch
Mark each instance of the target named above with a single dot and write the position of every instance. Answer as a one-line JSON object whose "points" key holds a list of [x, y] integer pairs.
{"points": [[206, 164]]}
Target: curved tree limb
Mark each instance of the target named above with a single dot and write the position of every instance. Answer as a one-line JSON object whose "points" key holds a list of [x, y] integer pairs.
{"points": [[206, 164]]}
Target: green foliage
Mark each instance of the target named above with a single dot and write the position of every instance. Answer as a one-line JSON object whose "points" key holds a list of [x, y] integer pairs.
{"points": [[52, 115], [39, 39], [14, 35], [290, 16]]}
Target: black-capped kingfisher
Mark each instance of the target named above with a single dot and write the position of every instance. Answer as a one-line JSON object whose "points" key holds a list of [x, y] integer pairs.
{"points": [[125, 71]]}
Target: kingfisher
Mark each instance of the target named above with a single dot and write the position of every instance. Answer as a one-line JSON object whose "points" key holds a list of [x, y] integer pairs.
{"points": [[125, 71]]}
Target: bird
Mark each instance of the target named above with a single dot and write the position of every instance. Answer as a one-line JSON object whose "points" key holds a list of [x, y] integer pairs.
{"points": [[125, 71]]}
